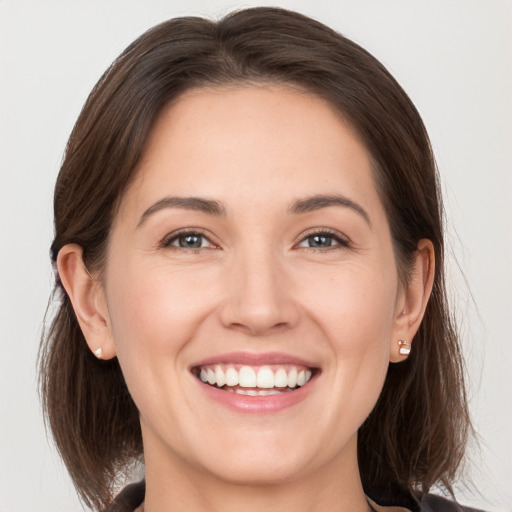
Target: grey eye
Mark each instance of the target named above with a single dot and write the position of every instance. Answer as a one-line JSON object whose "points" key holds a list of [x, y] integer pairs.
{"points": [[190, 241], [319, 241], [323, 240]]}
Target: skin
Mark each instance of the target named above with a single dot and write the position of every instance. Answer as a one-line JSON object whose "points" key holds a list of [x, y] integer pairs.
{"points": [[254, 286]]}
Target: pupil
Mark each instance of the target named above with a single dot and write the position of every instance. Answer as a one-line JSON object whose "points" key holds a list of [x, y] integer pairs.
{"points": [[320, 241], [190, 241]]}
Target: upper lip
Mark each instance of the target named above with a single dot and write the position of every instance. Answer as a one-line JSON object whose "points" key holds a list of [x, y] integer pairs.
{"points": [[254, 359]]}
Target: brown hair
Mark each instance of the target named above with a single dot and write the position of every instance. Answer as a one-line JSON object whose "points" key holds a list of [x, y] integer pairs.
{"points": [[416, 434]]}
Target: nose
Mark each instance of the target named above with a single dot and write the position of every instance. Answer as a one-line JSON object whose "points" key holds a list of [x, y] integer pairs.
{"points": [[259, 296]]}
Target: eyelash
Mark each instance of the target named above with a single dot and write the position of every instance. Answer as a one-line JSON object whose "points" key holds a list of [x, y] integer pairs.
{"points": [[341, 242]]}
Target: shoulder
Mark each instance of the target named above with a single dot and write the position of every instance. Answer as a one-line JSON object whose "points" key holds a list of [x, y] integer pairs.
{"points": [[129, 498], [433, 503], [132, 496], [420, 503]]}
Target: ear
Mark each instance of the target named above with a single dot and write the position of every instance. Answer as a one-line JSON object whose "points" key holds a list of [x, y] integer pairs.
{"points": [[412, 300], [88, 300]]}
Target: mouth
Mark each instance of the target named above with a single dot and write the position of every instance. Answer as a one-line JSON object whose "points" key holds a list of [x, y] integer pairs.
{"points": [[249, 380]]}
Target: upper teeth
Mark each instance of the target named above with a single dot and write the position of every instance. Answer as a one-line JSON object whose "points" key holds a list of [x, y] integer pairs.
{"points": [[249, 377]]}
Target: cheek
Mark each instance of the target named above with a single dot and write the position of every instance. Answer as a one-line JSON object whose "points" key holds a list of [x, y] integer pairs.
{"points": [[155, 311], [356, 312], [356, 304], [154, 315]]}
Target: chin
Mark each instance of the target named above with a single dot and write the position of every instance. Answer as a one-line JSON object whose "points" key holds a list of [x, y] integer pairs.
{"points": [[259, 471], [270, 458]]}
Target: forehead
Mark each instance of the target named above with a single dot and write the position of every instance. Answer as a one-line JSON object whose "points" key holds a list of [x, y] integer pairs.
{"points": [[252, 143]]}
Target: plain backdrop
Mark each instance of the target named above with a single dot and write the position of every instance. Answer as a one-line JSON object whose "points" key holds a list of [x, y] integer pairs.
{"points": [[453, 57]]}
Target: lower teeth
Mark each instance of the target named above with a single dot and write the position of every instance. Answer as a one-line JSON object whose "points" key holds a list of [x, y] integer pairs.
{"points": [[256, 392]]}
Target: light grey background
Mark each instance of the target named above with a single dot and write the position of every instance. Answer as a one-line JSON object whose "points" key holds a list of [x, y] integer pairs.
{"points": [[453, 57]]}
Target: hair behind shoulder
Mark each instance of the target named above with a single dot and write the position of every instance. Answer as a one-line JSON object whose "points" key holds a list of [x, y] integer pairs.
{"points": [[416, 435]]}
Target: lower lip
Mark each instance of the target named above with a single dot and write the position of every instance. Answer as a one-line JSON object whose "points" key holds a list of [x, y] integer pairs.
{"points": [[257, 404]]}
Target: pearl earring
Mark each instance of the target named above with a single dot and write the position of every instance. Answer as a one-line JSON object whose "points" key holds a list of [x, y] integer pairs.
{"points": [[98, 352], [404, 348]]}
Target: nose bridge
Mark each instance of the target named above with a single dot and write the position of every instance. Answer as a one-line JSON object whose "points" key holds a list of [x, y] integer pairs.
{"points": [[258, 298]]}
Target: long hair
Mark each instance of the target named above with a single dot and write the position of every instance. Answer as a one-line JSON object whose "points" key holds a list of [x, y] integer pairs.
{"points": [[416, 434]]}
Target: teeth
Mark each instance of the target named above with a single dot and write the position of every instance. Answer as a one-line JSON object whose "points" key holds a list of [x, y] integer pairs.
{"points": [[247, 377], [281, 378], [231, 377], [265, 378], [220, 378], [256, 392], [262, 378], [292, 378]]}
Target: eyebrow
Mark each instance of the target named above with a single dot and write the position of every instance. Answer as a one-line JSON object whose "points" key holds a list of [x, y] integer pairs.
{"points": [[207, 206], [212, 207], [318, 202]]}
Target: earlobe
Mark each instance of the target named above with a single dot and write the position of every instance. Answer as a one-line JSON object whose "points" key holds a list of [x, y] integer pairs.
{"points": [[414, 299], [87, 298]]}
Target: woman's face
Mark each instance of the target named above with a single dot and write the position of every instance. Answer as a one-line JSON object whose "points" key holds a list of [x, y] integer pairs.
{"points": [[252, 247]]}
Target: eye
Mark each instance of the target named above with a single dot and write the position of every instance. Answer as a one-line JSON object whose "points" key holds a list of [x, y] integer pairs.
{"points": [[188, 240], [323, 240]]}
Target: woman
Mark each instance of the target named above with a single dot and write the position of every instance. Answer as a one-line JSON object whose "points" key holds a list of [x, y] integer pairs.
{"points": [[248, 241]]}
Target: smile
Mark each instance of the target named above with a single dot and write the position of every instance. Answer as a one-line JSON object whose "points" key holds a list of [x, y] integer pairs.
{"points": [[252, 383], [254, 380]]}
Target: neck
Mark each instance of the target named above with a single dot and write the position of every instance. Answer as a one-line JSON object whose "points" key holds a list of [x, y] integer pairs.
{"points": [[174, 485]]}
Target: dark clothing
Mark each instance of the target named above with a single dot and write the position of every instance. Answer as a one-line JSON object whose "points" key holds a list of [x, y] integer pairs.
{"points": [[129, 498], [433, 503], [132, 496]]}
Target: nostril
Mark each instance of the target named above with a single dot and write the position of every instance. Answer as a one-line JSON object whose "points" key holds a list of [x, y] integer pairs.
{"points": [[259, 328], [258, 304]]}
